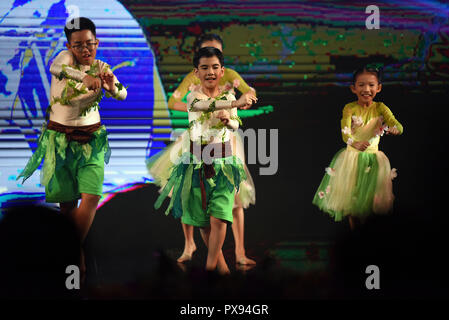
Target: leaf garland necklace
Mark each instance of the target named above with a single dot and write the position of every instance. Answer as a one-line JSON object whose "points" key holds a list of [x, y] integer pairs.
{"points": [[65, 98], [206, 115]]}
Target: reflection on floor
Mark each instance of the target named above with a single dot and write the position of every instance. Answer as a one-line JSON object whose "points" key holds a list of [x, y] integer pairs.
{"points": [[290, 269]]}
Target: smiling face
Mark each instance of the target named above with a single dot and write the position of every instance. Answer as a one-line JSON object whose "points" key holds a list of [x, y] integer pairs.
{"points": [[83, 46], [209, 71], [366, 87]]}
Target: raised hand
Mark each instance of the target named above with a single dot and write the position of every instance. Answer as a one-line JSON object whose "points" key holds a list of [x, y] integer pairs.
{"points": [[225, 120], [224, 117], [91, 83], [393, 131], [245, 101], [107, 81]]}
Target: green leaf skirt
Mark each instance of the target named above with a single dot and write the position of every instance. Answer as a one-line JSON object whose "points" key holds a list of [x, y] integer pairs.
{"points": [[52, 147], [179, 183]]}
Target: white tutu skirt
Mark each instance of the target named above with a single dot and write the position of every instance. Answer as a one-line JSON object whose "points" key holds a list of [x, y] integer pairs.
{"points": [[357, 183]]}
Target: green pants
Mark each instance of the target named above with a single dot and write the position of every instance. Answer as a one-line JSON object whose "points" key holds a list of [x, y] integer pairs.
{"points": [[219, 201], [74, 176]]}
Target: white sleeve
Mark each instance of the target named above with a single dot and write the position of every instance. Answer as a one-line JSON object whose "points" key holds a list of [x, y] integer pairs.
{"points": [[62, 65], [119, 94], [194, 104], [233, 123]]}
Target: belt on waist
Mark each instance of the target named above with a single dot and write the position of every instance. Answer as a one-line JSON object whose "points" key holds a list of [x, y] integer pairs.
{"points": [[214, 151], [81, 134]]}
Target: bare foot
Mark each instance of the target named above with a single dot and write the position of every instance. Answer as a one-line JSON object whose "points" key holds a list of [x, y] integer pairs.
{"points": [[187, 254], [223, 269], [244, 267], [184, 257], [244, 260]]}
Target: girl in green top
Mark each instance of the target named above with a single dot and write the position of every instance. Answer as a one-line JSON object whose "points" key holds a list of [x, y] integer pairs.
{"points": [[158, 166], [358, 181]]}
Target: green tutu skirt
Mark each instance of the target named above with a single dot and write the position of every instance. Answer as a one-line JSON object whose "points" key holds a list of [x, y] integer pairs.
{"points": [[356, 184]]}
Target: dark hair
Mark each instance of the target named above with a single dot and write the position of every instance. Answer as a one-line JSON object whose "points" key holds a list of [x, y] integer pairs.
{"points": [[78, 24], [369, 68], [206, 37], [207, 52]]}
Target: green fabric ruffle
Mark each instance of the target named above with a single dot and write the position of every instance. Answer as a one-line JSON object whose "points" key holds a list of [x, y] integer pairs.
{"points": [[363, 193], [52, 146], [180, 181]]}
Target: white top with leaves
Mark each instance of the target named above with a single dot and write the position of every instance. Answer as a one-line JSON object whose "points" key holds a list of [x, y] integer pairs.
{"points": [[72, 104], [204, 125]]}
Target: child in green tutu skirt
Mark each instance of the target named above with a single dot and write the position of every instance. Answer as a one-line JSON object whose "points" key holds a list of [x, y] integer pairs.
{"points": [[358, 181]]}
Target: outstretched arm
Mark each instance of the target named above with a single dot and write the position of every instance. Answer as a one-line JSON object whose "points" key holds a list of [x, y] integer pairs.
{"points": [[211, 104], [175, 100], [62, 66]]}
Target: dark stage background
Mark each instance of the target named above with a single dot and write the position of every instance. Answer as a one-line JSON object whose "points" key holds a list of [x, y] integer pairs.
{"points": [[299, 56]]}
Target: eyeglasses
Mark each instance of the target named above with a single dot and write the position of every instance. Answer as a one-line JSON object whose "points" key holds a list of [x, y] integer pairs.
{"points": [[89, 45]]}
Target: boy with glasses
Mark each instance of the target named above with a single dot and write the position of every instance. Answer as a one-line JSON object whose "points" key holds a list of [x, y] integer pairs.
{"points": [[73, 143]]}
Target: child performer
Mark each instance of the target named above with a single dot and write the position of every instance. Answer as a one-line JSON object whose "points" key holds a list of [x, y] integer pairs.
{"points": [[358, 181], [205, 177], [247, 194], [230, 80], [73, 143]]}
